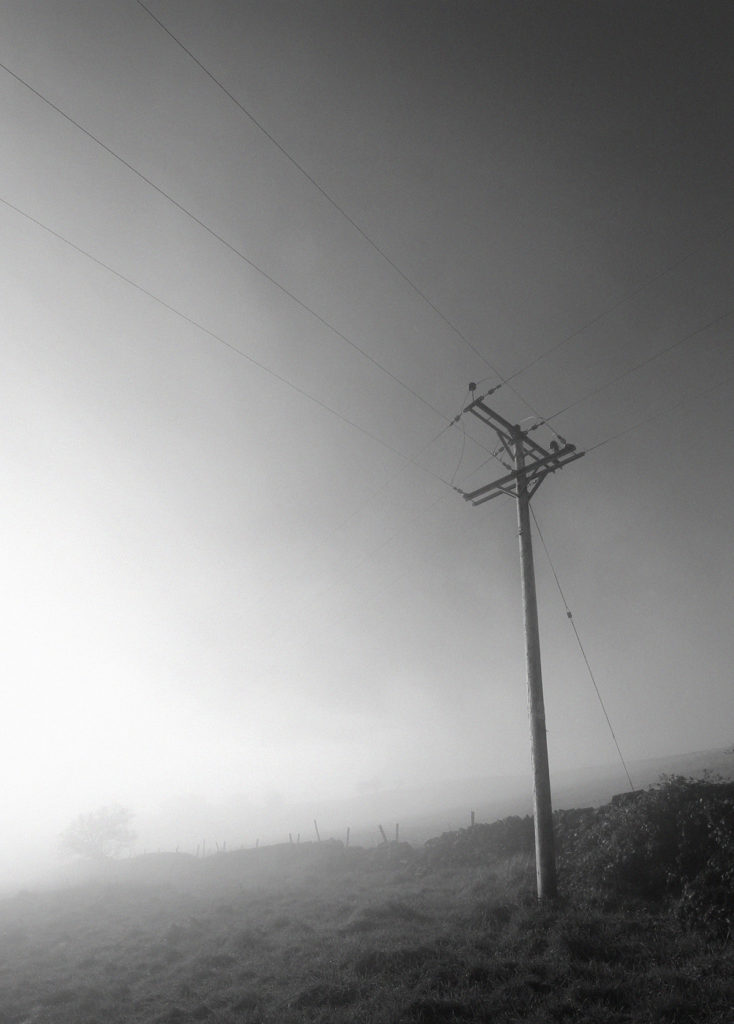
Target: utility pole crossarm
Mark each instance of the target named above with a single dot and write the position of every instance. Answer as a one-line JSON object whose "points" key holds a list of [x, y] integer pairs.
{"points": [[535, 472], [493, 419], [538, 461]]}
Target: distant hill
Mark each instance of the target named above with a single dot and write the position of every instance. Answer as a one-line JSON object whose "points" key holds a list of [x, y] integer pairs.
{"points": [[598, 785], [425, 813], [421, 813]]}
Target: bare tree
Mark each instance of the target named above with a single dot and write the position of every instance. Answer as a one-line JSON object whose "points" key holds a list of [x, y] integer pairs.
{"points": [[99, 835]]}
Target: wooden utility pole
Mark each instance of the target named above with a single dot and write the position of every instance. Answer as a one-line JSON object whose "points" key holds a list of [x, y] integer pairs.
{"points": [[545, 862], [529, 464]]}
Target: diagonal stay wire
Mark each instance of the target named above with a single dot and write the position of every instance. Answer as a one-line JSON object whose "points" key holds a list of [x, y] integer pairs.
{"points": [[581, 647], [645, 362], [220, 238]]}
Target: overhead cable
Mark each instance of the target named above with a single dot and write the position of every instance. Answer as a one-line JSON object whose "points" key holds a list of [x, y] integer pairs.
{"points": [[459, 418], [319, 188], [220, 340], [329, 198], [623, 298], [220, 238], [663, 412], [505, 380], [407, 460], [645, 362]]}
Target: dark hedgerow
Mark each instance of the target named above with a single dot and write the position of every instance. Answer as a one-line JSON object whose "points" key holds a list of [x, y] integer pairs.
{"points": [[500, 839], [672, 842]]}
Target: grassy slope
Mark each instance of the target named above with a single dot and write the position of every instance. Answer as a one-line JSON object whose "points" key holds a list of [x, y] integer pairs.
{"points": [[312, 933]]}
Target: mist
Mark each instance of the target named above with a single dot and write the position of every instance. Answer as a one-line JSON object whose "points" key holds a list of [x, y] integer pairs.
{"points": [[253, 258]]}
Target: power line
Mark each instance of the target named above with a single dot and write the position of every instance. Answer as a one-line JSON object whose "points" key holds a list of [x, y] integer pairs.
{"points": [[375, 495], [569, 615], [329, 198], [220, 340], [459, 419], [283, 380], [214, 234], [236, 252], [623, 298], [301, 303], [408, 460], [645, 362], [662, 412], [319, 188], [275, 283]]}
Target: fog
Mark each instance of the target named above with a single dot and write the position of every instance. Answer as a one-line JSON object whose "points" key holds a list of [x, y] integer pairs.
{"points": [[238, 582]]}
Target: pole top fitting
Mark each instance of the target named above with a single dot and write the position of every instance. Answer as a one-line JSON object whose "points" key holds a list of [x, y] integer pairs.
{"points": [[472, 387]]}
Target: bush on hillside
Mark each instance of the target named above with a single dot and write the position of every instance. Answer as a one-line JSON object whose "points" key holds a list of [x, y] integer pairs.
{"points": [[99, 835], [479, 844], [674, 841]]}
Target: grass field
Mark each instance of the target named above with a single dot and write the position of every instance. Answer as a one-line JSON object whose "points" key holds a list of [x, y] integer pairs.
{"points": [[316, 933]]}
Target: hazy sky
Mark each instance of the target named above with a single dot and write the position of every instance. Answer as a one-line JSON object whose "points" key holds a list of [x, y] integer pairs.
{"points": [[232, 564]]}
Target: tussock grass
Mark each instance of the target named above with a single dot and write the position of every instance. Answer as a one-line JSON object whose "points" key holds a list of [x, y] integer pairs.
{"points": [[452, 934]]}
